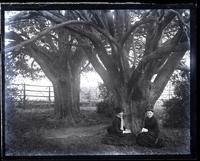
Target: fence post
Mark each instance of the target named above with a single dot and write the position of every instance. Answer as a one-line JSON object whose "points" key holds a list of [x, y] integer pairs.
{"points": [[49, 96], [24, 98]]}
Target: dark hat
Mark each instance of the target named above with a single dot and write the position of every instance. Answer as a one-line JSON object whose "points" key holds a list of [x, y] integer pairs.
{"points": [[118, 110], [149, 108]]}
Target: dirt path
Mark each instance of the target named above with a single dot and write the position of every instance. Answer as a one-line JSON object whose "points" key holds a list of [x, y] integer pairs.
{"points": [[74, 132], [84, 141], [80, 139]]}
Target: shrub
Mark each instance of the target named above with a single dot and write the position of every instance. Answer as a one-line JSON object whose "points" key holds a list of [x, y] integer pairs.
{"points": [[177, 109], [108, 104], [106, 108]]}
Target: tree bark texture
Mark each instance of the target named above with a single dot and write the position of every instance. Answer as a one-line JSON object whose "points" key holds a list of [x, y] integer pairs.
{"points": [[66, 93]]}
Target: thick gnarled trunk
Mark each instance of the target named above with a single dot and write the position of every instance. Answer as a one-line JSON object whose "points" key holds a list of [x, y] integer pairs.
{"points": [[76, 89], [134, 104], [140, 101], [66, 95], [138, 108]]}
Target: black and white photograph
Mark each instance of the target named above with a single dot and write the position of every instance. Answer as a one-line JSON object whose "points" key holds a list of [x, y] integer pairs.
{"points": [[98, 80]]}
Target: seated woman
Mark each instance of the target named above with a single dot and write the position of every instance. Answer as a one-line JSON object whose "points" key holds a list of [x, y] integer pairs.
{"points": [[117, 128], [149, 134]]}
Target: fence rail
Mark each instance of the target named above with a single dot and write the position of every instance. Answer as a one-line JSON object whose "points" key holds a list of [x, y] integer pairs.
{"points": [[27, 93], [31, 85]]}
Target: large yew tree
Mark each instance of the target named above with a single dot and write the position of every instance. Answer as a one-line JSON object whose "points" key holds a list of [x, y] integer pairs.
{"points": [[134, 51], [57, 54]]}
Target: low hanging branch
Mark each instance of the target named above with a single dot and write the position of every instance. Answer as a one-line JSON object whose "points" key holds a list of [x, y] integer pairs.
{"points": [[85, 67], [44, 32], [69, 43]]}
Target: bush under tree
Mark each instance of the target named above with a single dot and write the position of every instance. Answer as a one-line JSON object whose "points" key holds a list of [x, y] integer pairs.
{"points": [[107, 105], [178, 107]]}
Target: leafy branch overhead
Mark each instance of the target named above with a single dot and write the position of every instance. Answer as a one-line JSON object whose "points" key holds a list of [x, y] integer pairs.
{"points": [[108, 28], [127, 48]]}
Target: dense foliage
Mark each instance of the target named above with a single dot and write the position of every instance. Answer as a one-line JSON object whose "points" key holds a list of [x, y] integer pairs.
{"points": [[178, 107], [107, 105]]}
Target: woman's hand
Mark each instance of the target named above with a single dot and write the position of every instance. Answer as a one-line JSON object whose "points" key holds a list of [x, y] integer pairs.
{"points": [[126, 131], [144, 130]]}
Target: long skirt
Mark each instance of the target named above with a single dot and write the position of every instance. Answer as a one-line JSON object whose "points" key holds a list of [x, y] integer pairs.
{"points": [[122, 140], [146, 139]]}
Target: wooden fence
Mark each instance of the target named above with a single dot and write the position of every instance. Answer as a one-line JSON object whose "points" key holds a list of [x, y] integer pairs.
{"points": [[31, 93], [28, 94]]}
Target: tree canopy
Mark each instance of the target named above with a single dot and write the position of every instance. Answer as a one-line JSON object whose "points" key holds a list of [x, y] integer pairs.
{"points": [[127, 48]]}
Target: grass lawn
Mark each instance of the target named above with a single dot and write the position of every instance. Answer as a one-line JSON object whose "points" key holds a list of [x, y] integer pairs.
{"points": [[35, 132]]}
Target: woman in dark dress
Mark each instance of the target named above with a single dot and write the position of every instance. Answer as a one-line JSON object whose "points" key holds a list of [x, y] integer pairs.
{"points": [[117, 126], [117, 133], [149, 134]]}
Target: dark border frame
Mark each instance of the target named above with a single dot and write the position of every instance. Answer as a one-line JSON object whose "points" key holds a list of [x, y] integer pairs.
{"points": [[98, 5]]}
